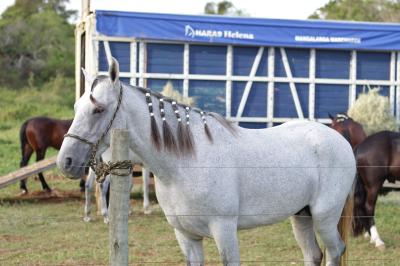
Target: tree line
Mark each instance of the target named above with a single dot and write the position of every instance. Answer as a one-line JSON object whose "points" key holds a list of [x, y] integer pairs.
{"points": [[36, 42], [37, 36]]}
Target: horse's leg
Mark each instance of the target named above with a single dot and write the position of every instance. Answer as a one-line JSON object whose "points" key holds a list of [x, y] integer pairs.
{"points": [[372, 195], [88, 194], [224, 232], [305, 236], [26, 155], [191, 247], [40, 154], [105, 188], [130, 190], [325, 223], [97, 194], [146, 179], [82, 184]]}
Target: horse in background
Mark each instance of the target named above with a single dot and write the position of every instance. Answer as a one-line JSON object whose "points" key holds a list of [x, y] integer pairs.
{"points": [[351, 130], [377, 161], [36, 135]]}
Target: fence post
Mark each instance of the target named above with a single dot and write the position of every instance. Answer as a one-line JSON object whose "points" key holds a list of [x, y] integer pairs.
{"points": [[119, 201]]}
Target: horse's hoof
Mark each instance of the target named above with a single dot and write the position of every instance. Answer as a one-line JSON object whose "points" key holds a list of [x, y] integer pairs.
{"points": [[366, 235], [381, 247], [23, 192], [106, 220], [87, 219], [147, 211]]}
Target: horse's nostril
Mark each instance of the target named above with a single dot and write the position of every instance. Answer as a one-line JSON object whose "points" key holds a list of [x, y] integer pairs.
{"points": [[68, 162]]}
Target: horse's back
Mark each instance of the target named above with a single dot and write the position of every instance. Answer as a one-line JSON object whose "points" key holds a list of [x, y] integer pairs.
{"points": [[302, 137], [380, 149], [42, 131]]}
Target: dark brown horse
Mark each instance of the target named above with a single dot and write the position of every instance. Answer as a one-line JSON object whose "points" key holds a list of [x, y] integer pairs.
{"points": [[351, 130], [378, 160], [36, 135]]}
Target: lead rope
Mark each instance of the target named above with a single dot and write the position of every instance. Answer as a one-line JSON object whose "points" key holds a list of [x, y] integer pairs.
{"points": [[104, 169]]}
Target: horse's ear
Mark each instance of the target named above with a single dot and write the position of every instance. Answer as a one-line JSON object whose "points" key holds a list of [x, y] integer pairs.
{"points": [[88, 78], [331, 117], [113, 70]]}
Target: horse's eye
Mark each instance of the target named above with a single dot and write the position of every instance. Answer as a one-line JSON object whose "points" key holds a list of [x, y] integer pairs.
{"points": [[98, 110]]}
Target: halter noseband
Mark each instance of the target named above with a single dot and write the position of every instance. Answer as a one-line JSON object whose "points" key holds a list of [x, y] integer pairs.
{"points": [[99, 168]]}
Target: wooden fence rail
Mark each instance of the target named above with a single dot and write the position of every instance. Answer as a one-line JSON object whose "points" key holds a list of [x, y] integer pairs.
{"points": [[27, 171]]}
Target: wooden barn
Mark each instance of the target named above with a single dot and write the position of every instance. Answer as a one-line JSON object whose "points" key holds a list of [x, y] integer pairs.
{"points": [[257, 72]]}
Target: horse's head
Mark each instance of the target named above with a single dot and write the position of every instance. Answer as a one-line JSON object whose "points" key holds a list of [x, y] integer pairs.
{"points": [[339, 122], [96, 112]]}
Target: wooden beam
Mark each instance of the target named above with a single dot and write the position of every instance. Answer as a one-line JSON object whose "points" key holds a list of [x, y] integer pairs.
{"points": [[249, 83], [27, 171], [292, 85]]}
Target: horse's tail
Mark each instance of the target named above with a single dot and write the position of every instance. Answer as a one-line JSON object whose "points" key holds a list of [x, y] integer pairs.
{"points": [[23, 140], [360, 196], [345, 222]]}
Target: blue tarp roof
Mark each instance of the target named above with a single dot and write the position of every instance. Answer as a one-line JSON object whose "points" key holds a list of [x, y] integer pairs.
{"points": [[250, 31]]}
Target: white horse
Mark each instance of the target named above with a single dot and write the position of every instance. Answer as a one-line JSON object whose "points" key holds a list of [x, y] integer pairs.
{"points": [[105, 186], [214, 178]]}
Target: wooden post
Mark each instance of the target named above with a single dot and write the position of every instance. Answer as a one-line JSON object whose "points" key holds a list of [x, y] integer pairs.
{"points": [[119, 201], [85, 9]]}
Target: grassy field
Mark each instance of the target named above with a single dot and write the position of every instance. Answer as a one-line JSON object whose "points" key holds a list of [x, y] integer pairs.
{"points": [[34, 231], [51, 232]]}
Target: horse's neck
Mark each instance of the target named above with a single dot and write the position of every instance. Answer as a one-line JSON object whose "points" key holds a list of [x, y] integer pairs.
{"points": [[138, 123]]}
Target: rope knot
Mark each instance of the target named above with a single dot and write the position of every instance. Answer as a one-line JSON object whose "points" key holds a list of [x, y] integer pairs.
{"points": [[104, 169]]}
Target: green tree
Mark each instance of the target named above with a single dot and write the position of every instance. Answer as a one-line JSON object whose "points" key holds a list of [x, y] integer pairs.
{"points": [[223, 8], [36, 42], [360, 10]]}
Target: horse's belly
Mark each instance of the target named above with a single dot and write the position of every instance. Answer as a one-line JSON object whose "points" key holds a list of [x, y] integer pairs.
{"points": [[274, 195]]}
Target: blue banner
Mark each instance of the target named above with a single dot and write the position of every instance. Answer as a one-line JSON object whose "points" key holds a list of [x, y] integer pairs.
{"points": [[250, 31]]}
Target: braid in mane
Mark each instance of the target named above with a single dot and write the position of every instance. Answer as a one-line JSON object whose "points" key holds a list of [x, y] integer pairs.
{"points": [[169, 140], [206, 129], [181, 130], [155, 135], [189, 142]]}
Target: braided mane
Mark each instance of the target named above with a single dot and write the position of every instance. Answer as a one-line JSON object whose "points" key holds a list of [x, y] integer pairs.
{"points": [[184, 143]]}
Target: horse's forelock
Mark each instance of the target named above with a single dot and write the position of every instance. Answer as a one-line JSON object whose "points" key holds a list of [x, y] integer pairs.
{"points": [[97, 81]]}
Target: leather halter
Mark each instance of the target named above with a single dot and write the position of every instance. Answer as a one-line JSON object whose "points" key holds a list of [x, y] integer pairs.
{"points": [[94, 145]]}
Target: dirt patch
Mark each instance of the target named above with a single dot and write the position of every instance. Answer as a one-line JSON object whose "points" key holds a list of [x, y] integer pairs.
{"points": [[55, 195], [11, 238], [41, 196]]}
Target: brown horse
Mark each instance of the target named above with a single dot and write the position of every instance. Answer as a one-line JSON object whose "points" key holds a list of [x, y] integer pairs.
{"points": [[351, 130], [377, 161], [36, 135]]}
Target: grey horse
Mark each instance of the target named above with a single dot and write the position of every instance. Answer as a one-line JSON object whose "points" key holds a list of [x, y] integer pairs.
{"points": [[214, 178]]}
